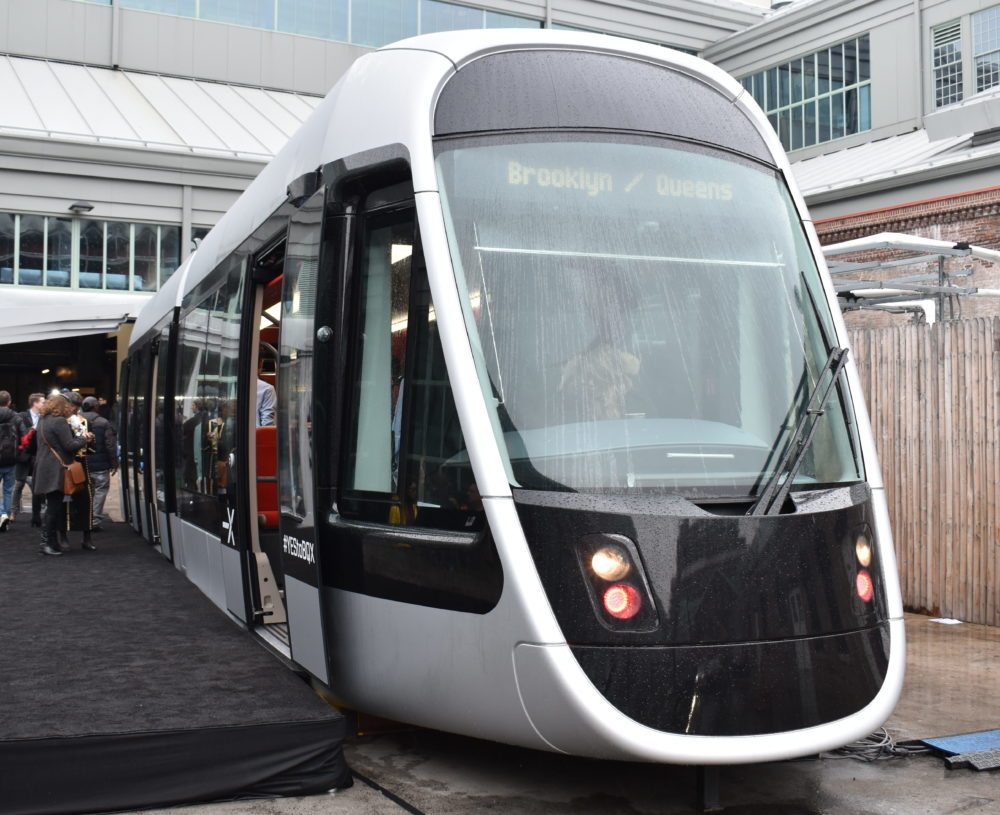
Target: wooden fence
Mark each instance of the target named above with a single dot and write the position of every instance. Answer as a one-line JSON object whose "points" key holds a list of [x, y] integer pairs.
{"points": [[933, 394]]}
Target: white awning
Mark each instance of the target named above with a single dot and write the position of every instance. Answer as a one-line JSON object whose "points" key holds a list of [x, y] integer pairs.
{"points": [[61, 101], [31, 315]]}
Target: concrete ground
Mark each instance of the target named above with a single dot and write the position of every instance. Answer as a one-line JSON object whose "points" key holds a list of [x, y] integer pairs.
{"points": [[951, 688]]}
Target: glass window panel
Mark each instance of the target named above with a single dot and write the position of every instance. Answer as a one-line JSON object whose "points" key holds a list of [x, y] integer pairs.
{"points": [[170, 251], [295, 376], [118, 252], [823, 72], [438, 16], [772, 89], [785, 128], [987, 71], [986, 31], [378, 22], [146, 255], [253, 13], [7, 226], [494, 19], [864, 60], [182, 8], [59, 252], [603, 344], [378, 389], [314, 18], [796, 69], [31, 257], [194, 467], [836, 67], [865, 107], [850, 62], [823, 118], [91, 254], [797, 125], [838, 124], [784, 85], [851, 111], [809, 124], [809, 77]]}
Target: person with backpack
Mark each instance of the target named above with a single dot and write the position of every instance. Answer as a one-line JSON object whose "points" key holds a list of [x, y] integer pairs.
{"points": [[10, 436]]}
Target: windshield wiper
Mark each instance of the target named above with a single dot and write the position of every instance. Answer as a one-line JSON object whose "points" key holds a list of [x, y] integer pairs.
{"points": [[775, 491]]}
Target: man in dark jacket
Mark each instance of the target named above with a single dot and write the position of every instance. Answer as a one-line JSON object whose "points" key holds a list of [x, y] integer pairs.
{"points": [[102, 456], [10, 436]]}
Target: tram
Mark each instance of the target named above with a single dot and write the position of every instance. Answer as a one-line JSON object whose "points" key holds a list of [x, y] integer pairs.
{"points": [[568, 450]]}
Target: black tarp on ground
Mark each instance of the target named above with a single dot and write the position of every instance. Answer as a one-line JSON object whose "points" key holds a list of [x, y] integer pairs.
{"points": [[122, 686]]}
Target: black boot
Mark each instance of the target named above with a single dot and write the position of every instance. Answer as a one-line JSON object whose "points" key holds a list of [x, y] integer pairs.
{"points": [[88, 544], [45, 548], [63, 541]]}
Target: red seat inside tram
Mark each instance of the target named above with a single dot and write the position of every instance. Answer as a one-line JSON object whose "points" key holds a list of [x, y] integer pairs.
{"points": [[267, 477]]}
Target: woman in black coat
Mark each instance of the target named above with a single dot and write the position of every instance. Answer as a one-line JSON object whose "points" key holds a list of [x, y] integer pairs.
{"points": [[54, 432]]}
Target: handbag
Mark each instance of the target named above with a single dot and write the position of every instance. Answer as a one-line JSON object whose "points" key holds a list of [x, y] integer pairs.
{"points": [[74, 476]]}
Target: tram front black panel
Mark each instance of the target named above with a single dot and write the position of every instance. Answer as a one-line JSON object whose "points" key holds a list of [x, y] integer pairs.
{"points": [[742, 690], [524, 90], [748, 609]]}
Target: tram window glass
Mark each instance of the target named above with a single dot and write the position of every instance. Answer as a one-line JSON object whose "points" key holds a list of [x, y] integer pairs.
{"points": [[206, 393], [298, 309], [640, 314], [407, 461]]}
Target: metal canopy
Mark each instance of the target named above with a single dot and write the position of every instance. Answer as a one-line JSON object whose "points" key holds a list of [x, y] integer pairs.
{"points": [[928, 292]]}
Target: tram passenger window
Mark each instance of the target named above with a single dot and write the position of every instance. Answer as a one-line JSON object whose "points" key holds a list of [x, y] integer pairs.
{"points": [[206, 393], [407, 462]]}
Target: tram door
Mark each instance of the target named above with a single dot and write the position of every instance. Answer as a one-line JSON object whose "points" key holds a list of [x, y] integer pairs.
{"points": [[285, 550]]}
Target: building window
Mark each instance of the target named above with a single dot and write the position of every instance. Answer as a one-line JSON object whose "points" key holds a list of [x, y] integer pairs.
{"points": [[363, 22], [986, 48], [819, 97], [83, 253], [946, 54], [965, 56]]}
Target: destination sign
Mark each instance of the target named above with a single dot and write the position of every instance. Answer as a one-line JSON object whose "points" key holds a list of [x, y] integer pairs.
{"points": [[594, 182]]}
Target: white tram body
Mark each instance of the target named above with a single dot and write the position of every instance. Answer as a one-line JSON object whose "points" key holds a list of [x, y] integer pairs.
{"points": [[548, 313]]}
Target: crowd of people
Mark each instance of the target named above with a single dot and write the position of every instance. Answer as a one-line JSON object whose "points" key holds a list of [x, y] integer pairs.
{"points": [[41, 447]]}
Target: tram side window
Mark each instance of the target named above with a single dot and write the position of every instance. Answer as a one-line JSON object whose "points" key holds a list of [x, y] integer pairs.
{"points": [[407, 463], [205, 394]]}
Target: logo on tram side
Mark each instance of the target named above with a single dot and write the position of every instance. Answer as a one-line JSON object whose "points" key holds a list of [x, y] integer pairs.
{"points": [[303, 550]]}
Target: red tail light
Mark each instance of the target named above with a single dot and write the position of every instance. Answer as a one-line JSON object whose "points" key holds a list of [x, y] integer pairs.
{"points": [[863, 586], [622, 601]]}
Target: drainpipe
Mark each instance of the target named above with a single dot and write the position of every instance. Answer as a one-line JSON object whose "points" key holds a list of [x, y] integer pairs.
{"points": [[918, 51], [116, 14]]}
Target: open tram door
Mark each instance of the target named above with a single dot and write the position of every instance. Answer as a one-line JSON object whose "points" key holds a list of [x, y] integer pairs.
{"points": [[284, 572]]}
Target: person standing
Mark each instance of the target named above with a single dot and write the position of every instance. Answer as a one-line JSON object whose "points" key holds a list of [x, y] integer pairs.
{"points": [[57, 447], [10, 437], [102, 456], [26, 460]]}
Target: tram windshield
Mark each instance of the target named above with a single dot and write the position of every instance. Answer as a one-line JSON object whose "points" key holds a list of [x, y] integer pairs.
{"points": [[644, 314]]}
